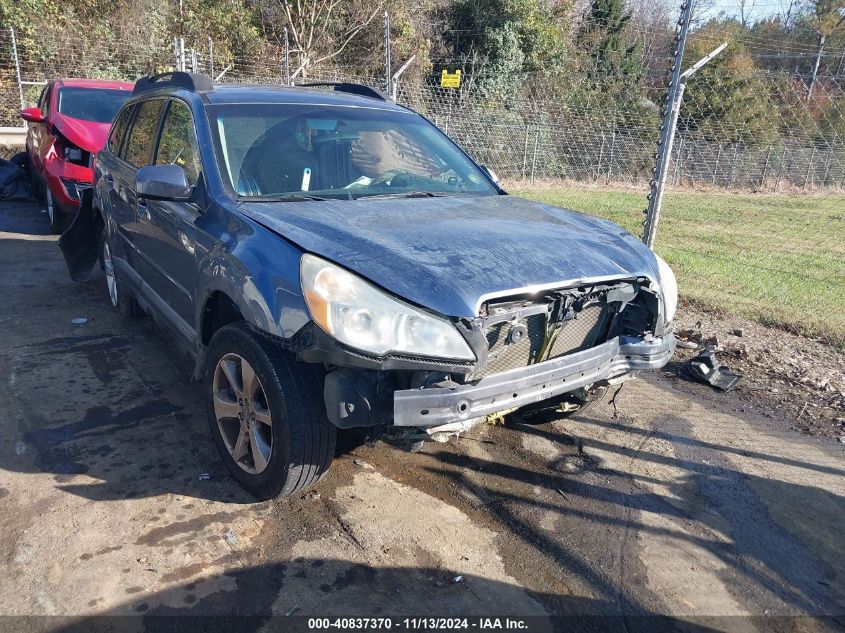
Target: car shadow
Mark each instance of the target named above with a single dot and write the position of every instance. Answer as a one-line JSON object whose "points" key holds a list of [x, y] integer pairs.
{"points": [[779, 542], [283, 596]]}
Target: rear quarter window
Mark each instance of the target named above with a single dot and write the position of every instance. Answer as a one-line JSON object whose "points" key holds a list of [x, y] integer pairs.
{"points": [[118, 130], [142, 136]]}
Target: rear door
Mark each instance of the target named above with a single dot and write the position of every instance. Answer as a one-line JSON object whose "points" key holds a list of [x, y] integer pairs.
{"points": [[136, 152], [167, 229]]}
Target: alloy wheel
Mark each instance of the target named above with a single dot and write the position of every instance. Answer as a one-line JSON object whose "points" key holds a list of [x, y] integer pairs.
{"points": [[108, 268], [51, 210], [243, 414]]}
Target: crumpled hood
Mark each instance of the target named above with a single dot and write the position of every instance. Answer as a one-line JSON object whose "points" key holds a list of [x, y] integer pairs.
{"points": [[87, 135], [448, 253]]}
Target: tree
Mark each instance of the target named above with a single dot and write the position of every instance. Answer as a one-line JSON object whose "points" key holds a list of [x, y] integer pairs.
{"points": [[604, 37], [826, 18], [320, 30], [506, 38]]}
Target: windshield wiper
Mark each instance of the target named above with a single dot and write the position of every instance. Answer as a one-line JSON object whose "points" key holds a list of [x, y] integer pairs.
{"points": [[409, 194], [294, 197]]}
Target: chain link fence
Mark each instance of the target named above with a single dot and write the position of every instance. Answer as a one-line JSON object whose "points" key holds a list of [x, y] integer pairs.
{"points": [[754, 212]]}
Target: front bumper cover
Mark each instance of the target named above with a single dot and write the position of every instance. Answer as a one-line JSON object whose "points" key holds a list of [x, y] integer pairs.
{"points": [[435, 406]]}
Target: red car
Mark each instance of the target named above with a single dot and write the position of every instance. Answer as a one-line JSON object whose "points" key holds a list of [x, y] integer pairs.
{"points": [[67, 128]]}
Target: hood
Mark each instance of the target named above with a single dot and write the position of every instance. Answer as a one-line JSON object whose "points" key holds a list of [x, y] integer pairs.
{"points": [[450, 254], [87, 135]]}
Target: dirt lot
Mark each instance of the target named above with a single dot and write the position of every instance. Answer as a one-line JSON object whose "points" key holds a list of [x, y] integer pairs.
{"points": [[685, 502]]}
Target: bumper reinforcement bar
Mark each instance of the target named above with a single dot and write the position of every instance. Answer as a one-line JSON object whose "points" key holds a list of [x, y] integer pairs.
{"points": [[434, 406]]}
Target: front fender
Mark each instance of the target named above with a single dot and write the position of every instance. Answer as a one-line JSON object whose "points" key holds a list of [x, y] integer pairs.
{"points": [[263, 284]]}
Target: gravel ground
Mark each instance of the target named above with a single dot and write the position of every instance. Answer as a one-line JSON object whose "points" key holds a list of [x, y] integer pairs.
{"points": [[672, 499]]}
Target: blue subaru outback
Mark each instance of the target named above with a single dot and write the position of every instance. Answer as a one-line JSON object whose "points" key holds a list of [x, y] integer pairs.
{"points": [[330, 259]]}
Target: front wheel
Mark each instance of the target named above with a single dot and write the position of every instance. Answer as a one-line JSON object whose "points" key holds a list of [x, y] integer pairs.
{"points": [[266, 413], [54, 215], [122, 302]]}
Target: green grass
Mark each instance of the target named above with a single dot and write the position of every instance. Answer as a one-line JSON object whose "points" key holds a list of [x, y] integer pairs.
{"points": [[779, 259]]}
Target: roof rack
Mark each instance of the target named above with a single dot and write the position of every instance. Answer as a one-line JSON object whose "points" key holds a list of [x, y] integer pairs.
{"points": [[176, 79], [356, 89]]}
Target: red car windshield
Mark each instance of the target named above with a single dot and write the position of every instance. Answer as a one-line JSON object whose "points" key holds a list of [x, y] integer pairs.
{"points": [[91, 104]]}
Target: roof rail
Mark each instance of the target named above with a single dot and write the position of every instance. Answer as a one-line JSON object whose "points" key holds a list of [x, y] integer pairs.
{"points": [[176, 79], [356, 89]]}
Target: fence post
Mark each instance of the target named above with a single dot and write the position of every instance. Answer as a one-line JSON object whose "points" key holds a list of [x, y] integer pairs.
{"points": [[827, 166], [601, 157], [612, 152], [17, 68], [809, 167], [766, 167], [176, 51], [194, 61], [716, 166], [667, 130], [679, 157], [733, 165], [286, 63], [525, 154], [387, 61], [534, 157], [211, 57], [780, 168]]}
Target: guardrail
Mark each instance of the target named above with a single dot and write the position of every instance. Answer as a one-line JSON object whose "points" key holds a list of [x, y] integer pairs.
{"points": [[13, 136]]}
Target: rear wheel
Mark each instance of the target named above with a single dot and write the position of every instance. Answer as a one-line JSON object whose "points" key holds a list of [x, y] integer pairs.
{"points": [[266, 413], [122, 302]]}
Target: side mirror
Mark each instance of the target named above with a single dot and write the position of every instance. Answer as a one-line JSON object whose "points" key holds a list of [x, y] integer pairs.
{"points": [[162, 182], [33, 115], [490, 174]]}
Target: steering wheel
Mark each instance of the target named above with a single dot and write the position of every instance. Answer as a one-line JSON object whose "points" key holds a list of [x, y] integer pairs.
{"points": [[393, 178]]}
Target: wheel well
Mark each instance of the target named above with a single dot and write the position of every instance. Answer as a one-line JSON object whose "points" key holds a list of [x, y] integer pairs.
{"points": [[219, 310]]}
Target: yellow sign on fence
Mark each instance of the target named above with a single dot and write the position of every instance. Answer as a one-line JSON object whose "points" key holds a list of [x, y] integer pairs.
{"points": [[450, 80]]}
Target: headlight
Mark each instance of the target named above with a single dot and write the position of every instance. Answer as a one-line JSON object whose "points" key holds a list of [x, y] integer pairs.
{"points": [[668, 288], [366, 318]]}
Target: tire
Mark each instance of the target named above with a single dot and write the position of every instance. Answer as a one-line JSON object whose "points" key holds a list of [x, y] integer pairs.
{"points": [[35, 185], [288, 395], [55, 217], [122, 302]]}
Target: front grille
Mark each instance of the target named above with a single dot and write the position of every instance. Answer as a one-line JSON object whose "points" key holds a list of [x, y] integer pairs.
{"points": [[587, 329]]}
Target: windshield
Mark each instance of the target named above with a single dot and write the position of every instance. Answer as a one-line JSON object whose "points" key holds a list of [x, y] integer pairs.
{"points": [[91, 104], [319, 151]]}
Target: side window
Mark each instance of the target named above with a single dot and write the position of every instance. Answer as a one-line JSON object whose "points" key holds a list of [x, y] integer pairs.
{"points": [[178, 144], [139, 147], [118, 130]]}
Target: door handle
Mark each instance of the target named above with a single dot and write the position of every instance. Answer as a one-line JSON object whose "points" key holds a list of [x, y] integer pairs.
{"points": [[143, 211]]}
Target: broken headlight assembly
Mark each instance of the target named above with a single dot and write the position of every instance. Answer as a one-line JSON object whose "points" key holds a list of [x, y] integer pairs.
{"points": [[668, 288], [364, 317]]}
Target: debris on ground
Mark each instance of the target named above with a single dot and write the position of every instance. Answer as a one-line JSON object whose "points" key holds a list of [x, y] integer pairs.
{"points": [[14, 178], [706, 368], [204, 477], [782, 371], [458, 579], [79, 321]]}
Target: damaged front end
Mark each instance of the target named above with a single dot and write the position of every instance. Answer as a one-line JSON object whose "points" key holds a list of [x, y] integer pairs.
{"points": [[529, 349]]}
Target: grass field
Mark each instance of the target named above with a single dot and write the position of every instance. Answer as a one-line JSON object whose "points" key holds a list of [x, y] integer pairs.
{"points": [[779, 259]]}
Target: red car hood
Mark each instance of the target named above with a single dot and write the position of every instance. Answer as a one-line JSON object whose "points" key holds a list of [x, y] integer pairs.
{"points": [[87, 135]]}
